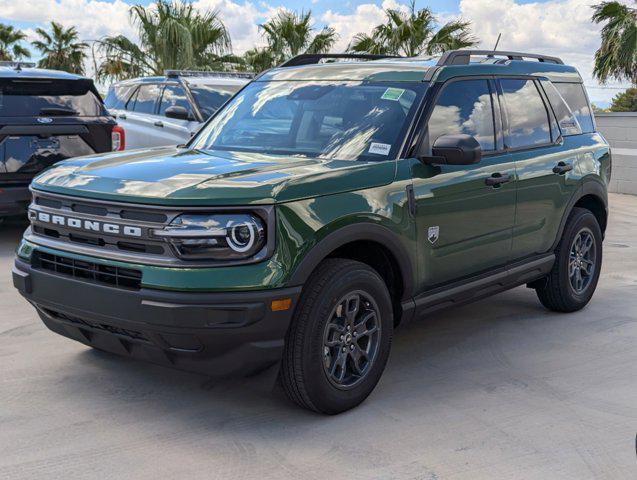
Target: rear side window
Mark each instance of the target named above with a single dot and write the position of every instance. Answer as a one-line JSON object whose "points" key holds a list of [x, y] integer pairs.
{"points": [[145, 99], [575, 97], [117, 96], [173, 96], [210, 97], [49, 98], [526, 113], [566, 120], [464, 106]]}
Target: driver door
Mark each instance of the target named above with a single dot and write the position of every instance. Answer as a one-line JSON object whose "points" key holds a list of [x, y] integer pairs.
{"points": [[464, 225]]}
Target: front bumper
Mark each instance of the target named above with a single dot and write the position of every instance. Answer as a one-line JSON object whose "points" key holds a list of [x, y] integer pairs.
{"points": [[14, 200], [218, 334]]}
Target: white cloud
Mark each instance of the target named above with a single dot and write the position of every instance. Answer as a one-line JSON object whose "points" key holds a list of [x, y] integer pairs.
{"points": [[364, 18], [92, 18], [241, 20], [559, 27]]}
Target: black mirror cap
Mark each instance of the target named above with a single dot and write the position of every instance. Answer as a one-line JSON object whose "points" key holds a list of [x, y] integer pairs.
{"points": [[458, 149], [178, 112]]}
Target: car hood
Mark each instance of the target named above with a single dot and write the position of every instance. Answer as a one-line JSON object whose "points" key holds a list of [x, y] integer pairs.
{"points": [[178, 176]]}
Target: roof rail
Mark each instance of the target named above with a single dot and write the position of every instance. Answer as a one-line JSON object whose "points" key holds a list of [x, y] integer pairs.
{"points": [[463, 57], [313, 58], [16, 65], [205, 73]]}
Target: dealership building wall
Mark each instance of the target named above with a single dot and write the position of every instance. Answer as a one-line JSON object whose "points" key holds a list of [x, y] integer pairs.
{"points": [[620, 130]]}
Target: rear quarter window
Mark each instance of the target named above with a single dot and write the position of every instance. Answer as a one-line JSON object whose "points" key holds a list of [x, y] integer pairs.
{"points": [[566, 120], [576, 99], [210, 98]]}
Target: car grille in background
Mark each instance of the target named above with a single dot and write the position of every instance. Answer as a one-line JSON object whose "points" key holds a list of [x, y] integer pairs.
{"points": [[88, 271]]}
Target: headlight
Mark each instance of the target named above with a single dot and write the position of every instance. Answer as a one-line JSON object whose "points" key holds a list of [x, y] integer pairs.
{"points": [[215, 236]]}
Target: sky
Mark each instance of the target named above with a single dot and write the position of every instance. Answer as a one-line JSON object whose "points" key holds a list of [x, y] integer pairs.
{"points": [[553, 27]]}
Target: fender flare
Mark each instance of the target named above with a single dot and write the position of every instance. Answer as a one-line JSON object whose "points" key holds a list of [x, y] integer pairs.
{"points": [[591, 187], [356, 232]]}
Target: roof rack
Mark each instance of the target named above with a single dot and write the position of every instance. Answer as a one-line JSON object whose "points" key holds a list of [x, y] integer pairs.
{"points": [[205, 73], [16, 65], [313, 58], [463, 57]]}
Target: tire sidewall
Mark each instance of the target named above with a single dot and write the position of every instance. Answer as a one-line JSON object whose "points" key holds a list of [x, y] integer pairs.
{"points": [[331, 398]]}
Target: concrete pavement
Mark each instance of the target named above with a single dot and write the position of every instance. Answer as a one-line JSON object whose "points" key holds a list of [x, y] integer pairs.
{"points": [[501, 389]]}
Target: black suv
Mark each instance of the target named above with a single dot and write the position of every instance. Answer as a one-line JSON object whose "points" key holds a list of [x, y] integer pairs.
{"points": [[46, 116]]}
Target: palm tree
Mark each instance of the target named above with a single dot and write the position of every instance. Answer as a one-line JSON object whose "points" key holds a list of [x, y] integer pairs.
{"points": [[617, 56], [61, 49], [173, 35], [413, 33], [10, 47], [289, 34]]}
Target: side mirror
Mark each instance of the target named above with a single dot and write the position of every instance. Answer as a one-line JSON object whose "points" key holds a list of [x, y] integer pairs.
{"points": [[457, 149], [178, 112]]}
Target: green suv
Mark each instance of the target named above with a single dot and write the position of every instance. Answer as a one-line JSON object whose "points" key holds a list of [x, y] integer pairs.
{"points": [[326, 204]]}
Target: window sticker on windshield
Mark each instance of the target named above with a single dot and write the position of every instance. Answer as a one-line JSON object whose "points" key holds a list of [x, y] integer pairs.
{"points": [[393, 94], [380, 148]]}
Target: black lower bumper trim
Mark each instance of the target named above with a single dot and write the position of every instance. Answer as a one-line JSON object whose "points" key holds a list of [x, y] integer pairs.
{"points": [[218, 334]]}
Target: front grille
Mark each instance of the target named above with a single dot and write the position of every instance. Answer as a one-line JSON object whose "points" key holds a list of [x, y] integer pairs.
{"points": [[118, 277], [59, 209]]}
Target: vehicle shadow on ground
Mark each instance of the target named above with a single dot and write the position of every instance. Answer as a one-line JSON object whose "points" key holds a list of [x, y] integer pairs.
{"points": [[425, 356]]}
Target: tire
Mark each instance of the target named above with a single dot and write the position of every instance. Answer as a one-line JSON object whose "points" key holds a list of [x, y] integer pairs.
{"points": [[559, 291], [312, 364]]}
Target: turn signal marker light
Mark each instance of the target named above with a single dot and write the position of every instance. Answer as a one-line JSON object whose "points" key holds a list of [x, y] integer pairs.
{"points": [[281, 304]]}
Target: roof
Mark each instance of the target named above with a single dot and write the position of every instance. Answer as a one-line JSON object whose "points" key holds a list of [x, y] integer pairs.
{"points": [[34, 73], [420, 69], [203, 79]]}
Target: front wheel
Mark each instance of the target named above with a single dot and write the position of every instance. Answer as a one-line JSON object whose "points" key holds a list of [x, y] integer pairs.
{"points": [[339, 339], [574, 276]]}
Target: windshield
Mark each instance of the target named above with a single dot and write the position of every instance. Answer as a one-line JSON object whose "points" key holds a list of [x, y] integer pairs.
{"points": [[334, 120], [49, 98], [210, 97]]}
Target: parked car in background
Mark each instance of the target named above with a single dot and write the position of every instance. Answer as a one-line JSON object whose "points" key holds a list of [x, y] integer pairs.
{"points": [[168, 110], [46, 116]]}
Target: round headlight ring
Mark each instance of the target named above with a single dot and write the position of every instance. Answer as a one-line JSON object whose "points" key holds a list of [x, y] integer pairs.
{"points": [[237, 245]]}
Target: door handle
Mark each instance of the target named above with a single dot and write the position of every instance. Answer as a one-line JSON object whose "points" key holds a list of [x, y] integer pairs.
{"points": [[497, 179], [159, 123], [562, 167], [122, 116]]}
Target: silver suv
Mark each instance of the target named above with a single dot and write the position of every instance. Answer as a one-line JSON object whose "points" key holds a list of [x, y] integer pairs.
{"points": [[158, 111]]}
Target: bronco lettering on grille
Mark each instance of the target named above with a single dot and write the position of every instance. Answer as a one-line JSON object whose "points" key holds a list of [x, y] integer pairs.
{"points": [[89, 225]]}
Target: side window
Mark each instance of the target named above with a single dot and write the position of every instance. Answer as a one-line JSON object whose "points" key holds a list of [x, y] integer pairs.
{"points": [[575, 97], [173, 96], [527, 115], [146, 99], [567, 122], [465, 106]]}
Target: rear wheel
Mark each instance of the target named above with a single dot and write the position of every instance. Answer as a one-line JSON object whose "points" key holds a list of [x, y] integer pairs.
{"points": [[340, 337], [573, 279]]}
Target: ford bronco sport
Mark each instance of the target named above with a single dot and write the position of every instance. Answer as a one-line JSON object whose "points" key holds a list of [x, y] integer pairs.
{"points": [[327, 203]]}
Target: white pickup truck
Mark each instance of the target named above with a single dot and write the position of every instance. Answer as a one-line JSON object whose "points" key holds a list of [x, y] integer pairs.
{"points": [[168, 110]]}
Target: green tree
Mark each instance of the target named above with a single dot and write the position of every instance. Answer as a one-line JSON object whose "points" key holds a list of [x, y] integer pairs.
{"points": [[10, 43], [60, 49], [413, 33], [172, 35], [617, 55], [625, 101], [288, 34]]}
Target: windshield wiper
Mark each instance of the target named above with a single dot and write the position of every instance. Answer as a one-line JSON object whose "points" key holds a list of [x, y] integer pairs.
{"points": [[57, 111]]}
